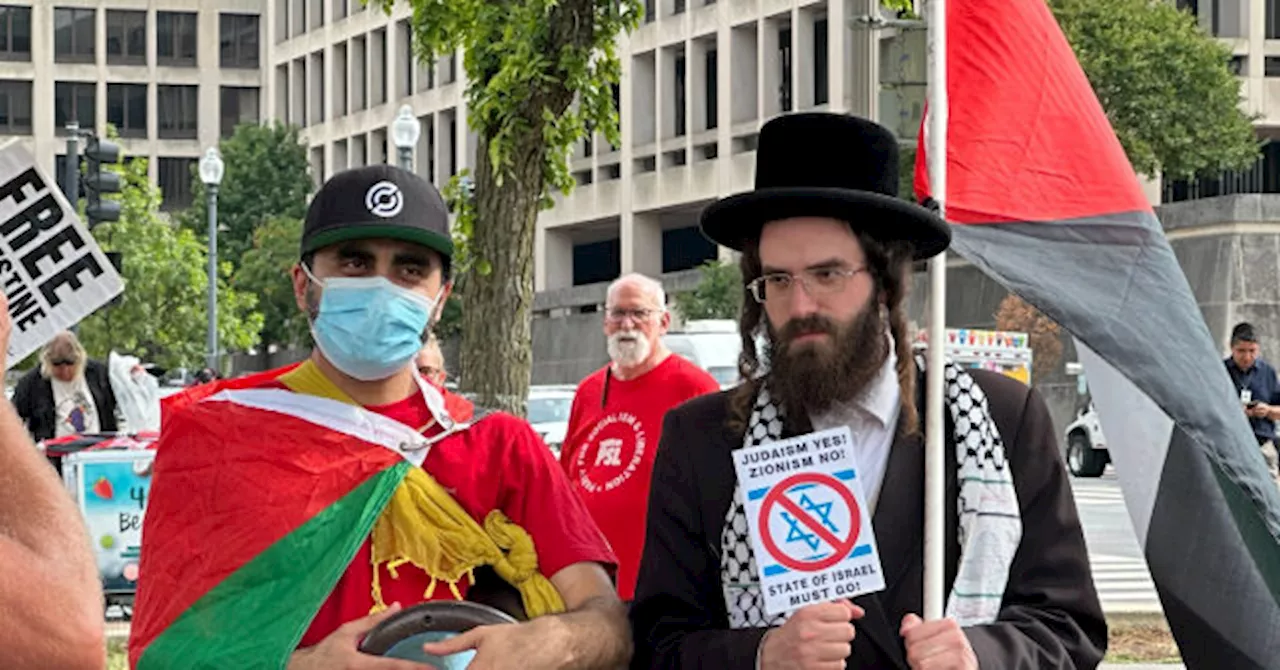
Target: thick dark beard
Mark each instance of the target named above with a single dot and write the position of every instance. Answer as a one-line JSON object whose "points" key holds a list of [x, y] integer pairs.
{"points": [[811, 378]]}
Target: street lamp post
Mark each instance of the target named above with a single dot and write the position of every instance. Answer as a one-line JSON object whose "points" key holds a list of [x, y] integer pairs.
{"points": [[404, 132], [211, 168]]}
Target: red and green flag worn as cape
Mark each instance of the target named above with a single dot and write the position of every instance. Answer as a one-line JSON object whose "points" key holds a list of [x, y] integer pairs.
{"points": [[275, 491]]}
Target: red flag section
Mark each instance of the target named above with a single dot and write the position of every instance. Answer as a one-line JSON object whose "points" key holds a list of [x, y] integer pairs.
{"points": [[1064, 224], [1038, 149]]}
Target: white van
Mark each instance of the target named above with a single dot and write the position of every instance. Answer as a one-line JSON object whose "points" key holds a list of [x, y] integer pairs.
{"points": [[711, 344]]}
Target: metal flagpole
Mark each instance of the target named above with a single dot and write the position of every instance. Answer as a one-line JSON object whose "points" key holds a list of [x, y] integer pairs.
{"points": [[936, 152]]}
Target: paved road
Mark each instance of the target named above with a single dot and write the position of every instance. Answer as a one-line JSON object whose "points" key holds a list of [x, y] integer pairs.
{"points": [[1119, 570]]}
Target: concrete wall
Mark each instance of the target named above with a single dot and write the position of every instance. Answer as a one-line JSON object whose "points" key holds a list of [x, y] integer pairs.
{"points": [[1229, 248]]}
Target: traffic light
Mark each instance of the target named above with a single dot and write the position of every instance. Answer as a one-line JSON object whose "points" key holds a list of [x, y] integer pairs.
{"points": [[98, 181]]}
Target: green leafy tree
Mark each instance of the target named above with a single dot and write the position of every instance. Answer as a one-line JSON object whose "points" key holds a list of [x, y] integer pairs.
{"points": [[539, 73], [718, 294], [1164, 84], [161, 315], [267, 175], [264, 272]]}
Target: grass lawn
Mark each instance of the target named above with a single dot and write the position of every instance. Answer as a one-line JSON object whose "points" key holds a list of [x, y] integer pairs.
{"points": [[1140, 638], [117, 659]]}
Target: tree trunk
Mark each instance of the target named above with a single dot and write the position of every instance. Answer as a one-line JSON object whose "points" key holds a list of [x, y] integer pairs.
{"points": [[497, 337]]}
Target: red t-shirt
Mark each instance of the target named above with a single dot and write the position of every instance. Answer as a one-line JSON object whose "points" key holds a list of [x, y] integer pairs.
{"points": [[499, 463], [609, 448]]}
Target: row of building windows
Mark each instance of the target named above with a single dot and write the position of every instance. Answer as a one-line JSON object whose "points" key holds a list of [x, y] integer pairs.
{"points": [[682, 249], [1229, 18], [359, 70], [677, 7], [1262, 177], [375, 147], [176, 108], [75, 37], [296, 17]]}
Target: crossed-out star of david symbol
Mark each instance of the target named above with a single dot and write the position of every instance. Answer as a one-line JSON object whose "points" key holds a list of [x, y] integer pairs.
{"points": [[796, 533]]}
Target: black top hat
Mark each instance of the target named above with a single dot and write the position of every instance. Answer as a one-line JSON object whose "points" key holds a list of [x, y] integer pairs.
{"points": [[828, 165]]}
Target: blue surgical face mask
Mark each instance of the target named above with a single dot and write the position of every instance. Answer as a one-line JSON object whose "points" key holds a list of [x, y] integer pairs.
{"points": [[368, 327]]}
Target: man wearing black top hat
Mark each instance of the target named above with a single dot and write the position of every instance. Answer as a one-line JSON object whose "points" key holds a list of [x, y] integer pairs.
{"points": [[826, 250]]}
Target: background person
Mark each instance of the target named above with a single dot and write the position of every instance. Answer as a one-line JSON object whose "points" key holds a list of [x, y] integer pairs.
{"points": [[616, 418], [1259, 390], [67, 393]]}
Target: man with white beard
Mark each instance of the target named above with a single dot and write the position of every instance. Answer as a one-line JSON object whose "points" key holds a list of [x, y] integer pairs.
{"points": [[617, 413]]}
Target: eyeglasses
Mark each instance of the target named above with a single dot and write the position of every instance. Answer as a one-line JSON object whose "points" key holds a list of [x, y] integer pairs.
{"points": [[63, 362], [428, 371], [777, 286], [640, 315]]}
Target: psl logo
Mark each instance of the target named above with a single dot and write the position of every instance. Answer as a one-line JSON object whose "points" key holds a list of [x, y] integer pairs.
{"points": [[610, 452], [619, 441]]}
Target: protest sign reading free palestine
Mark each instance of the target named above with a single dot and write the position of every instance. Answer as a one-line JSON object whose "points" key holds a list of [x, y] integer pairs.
{"points": [[808, 520], [51, 269]]}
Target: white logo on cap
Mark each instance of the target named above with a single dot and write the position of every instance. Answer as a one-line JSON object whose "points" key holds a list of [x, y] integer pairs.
{"points": [[384, 199]]}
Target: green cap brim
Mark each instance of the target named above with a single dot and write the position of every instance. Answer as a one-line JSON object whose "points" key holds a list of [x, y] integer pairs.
{"points": [[426, 238]]}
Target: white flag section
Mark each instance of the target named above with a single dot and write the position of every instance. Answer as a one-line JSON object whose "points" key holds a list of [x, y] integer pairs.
{"points": [[1138, 435], [51, 268]]}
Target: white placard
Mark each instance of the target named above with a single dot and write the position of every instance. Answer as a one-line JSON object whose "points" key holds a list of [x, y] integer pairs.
{"points": [[808, 520], [51, 268]]}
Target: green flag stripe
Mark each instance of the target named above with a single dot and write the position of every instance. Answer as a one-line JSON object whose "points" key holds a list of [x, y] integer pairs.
{"points": [[256, 616]]}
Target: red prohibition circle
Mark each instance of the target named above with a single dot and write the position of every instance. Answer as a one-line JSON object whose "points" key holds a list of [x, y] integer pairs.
{"points": [[841, 548]]}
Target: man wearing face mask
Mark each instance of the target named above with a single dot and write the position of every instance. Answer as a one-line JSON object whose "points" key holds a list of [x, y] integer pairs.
{"points": [[289, 518], [616, 418]]}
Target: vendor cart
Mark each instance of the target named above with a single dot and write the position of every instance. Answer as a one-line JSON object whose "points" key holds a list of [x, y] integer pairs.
{"points": [[109, 478]]}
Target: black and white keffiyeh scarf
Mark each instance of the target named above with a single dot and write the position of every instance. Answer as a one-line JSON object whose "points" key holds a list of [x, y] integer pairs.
{"points": [[990, 524]]}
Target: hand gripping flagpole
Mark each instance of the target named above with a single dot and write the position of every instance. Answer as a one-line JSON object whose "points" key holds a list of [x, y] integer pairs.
{"points": [[936, 153]]}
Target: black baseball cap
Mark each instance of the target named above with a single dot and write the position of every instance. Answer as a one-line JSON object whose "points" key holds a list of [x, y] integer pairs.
{"points": [[377, 201]]}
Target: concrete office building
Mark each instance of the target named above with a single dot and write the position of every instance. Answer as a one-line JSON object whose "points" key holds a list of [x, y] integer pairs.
{"points": [[342, 71], [173, 76], [698, 79]]}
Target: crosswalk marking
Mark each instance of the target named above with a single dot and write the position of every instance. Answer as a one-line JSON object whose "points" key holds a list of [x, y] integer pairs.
{"points": [[1124, 584], [1103, 490]]}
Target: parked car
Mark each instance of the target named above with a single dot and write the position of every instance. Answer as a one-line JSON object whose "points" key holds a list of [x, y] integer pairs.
{"points": [[1087, 454], [711, 344], [549, 413]]}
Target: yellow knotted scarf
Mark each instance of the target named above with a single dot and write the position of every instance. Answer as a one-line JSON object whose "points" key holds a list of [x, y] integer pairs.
{"points": [[424, 526]]}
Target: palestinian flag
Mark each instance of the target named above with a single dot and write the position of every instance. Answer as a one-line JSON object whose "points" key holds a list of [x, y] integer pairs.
{"points": [[1045, 201], [274, 492]]}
